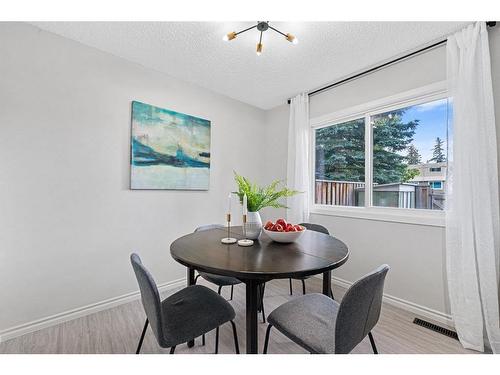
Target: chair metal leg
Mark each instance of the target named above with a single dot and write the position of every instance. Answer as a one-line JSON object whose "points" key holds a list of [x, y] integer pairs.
{"points": [[220, 288], [266, 342], [303, 286], [232, 288], [290, 282], [196, 279], [138, 350], [372, 341], [172, 349], [235, 336], [259, 298], [203, 339], [262, 288], [217, 340]]}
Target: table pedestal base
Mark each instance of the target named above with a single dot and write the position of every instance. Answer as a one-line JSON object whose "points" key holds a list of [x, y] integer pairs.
{"points": [[190, 281], [251, 307]]}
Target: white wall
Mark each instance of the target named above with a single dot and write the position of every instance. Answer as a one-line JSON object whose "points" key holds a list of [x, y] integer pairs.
{"points": [[68, 221], [416, 253], [418, 71]]}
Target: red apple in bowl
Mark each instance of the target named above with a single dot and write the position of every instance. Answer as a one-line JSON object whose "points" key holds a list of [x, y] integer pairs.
{"points": [[284, 232]]}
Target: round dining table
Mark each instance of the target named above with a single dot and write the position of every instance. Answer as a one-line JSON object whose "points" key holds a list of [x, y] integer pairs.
{"points": [[313, 253]]}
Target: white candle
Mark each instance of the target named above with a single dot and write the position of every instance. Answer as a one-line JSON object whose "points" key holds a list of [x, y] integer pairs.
{"points": [[229, 203], [245, 204]]}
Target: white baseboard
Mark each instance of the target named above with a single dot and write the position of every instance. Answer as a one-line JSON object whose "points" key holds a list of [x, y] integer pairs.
{"points": [[422, 311], [52, 320]]}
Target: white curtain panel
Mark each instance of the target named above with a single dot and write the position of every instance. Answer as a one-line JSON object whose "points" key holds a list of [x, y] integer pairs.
{"points": [[472, 215], [298, 159]]}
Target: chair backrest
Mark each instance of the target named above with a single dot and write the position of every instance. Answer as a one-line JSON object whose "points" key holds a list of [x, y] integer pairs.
{"points": [[149, 296], [359, 310], [208, 227], [315, 227]]}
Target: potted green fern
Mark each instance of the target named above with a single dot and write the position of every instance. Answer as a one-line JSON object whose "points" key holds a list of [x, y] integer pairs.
{"points": [[258, 198]]}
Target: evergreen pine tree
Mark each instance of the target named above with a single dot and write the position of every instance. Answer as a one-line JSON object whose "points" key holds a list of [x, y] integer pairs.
{"points": [[340, 149], [413, 156], [438, 152]]}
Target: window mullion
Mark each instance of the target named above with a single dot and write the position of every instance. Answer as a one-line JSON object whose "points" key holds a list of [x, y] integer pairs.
{"points": [[368, 162]]}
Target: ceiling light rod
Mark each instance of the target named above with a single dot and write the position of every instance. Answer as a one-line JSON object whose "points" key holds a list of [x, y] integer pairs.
{"points": [[261, 26], [259, 45], [272, 28], [232, 35], [291, 38]]}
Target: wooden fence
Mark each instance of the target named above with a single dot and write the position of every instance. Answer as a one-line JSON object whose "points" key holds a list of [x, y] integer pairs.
{"points": [[340, 193], [343, 193]]}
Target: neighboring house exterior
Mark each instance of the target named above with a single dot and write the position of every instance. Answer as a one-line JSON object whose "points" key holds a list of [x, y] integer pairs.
{"points": [[432, 174]]}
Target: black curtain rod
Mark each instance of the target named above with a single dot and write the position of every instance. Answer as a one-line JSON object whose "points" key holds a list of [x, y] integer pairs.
{"points": [[489, 23]]}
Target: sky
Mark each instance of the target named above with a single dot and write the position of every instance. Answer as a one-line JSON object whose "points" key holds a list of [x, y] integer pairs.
{"points": [[433, 123]]}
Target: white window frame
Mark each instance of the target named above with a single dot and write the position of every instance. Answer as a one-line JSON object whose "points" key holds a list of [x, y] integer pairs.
{"points": [[417, 96]]}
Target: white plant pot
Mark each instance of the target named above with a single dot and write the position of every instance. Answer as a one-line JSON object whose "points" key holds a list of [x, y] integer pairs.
{"points": [[254, 225]]}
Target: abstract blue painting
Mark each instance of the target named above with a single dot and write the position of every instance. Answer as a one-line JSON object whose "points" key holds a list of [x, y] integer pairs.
{"points": [[170, 150]]}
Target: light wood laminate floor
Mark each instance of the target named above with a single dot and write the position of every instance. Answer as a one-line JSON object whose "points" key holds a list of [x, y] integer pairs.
{"points": [[117, 330]]}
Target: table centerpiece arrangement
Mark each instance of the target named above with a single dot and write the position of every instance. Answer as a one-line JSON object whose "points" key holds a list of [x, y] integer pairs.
{"points": [[257, 198]]}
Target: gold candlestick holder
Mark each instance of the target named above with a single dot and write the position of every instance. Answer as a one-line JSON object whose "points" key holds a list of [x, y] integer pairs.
{"points": [[228, 239], [245, 241]]}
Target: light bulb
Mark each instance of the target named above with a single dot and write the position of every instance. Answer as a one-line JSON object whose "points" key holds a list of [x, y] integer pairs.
{"points": [[259, 49], [229, 36], [291, 38]]}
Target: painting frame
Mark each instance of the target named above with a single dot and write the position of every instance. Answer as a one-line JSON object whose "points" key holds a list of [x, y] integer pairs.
{"points": [[182, 161]]}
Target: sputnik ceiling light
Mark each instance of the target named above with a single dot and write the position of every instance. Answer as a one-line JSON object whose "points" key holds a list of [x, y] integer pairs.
{"points": [[261, 26]]}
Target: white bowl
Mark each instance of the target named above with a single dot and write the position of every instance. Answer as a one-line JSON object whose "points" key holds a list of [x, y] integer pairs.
{"points": [[284, 237]]}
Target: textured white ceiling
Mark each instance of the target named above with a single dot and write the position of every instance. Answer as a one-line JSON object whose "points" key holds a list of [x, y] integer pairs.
{"points": [[195, 52]]}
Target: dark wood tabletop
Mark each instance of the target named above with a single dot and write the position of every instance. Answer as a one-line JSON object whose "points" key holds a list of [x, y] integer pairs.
{"points": [[313, 253]]}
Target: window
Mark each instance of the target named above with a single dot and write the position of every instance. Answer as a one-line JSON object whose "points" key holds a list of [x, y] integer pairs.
{"points": [[387, 156], [436, 185], [340, 163], [406, 142]]}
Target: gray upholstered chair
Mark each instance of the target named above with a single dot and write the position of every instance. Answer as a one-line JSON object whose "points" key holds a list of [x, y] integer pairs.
{"points": [[320, 324], [183, 316], [218, 280], [316, 228], [221, 280]]}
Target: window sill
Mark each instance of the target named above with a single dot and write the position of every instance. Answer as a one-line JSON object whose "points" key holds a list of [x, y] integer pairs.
{"points": [[395, 215]]}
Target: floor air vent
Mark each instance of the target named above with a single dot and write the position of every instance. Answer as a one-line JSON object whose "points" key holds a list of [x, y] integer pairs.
{"points": [[436, 328]]}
